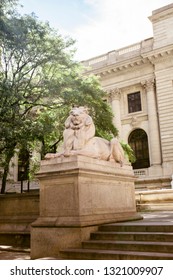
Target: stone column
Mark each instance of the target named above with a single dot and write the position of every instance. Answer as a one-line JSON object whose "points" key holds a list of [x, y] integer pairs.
{"points": [[114, 96], [154, 137]]}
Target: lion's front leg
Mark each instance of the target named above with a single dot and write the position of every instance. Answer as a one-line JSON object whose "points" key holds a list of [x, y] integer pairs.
{"points": [[117, 152]]}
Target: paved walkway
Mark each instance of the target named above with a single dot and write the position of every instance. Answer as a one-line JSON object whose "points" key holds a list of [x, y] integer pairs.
{"points": [[11, 253], [162, 217]]}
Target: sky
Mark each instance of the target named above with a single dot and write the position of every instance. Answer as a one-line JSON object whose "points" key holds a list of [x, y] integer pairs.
{"points": [[97, 26]]}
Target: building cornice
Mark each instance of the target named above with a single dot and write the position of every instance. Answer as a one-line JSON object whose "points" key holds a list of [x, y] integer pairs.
{"points": [[160, 54], [162, 13], [141, 59]]}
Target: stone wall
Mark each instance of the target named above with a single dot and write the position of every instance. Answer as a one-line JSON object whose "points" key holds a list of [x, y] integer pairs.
{"points": [[18, 211]]}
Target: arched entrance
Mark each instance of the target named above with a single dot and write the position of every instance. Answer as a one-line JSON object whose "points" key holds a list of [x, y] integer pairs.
{"points": [[138, 141]]}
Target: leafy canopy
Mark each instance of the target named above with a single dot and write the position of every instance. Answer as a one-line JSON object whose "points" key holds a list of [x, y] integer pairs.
{"points": [[39, 82]]}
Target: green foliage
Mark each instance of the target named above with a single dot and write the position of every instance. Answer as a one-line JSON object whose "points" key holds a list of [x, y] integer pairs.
{"points": [[39, 82], [6, 5], [128, 152]]}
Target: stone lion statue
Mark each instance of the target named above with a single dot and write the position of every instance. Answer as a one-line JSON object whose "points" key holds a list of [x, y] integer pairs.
{"points": [[79, 139]]}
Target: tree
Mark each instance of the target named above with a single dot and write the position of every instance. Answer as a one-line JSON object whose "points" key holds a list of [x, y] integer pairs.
{"points": [[6, 4], [39, 81]]}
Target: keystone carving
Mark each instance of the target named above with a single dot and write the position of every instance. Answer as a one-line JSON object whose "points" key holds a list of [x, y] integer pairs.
{"points": [[134, 122]]}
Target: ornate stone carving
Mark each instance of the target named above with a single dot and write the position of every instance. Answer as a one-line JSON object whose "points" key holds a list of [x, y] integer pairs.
{"points": [[134, 122], [79, 139], [114, 94], [148, 84]]}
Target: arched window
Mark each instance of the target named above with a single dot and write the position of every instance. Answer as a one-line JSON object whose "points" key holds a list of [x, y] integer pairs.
{"points": [[138, 141]]}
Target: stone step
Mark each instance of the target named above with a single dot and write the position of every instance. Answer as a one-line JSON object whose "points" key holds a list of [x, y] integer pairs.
{"points": [[140, 246], [137, 227], [132, 236], [139, 240], [92, 254], [155, 206]]}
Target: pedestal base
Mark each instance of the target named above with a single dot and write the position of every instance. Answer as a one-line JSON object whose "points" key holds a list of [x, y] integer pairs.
{"points": [[76, 195]]}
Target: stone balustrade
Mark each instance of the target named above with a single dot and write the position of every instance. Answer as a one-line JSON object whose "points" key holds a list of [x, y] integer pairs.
{"points": [[118, 55]]}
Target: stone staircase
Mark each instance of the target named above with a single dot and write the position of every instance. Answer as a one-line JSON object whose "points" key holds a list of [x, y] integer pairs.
{"points": [[137, 240]]}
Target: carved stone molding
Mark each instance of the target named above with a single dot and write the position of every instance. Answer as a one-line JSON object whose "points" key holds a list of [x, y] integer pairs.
{"points": [[114, 94], [148, 84], [134, 122]]}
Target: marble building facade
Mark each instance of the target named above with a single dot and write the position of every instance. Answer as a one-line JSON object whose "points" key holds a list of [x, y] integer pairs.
{"points": [[138, 84]]}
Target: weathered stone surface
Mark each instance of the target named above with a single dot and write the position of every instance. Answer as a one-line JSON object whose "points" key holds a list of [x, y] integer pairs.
{"points": [[76, 195], [154, 200]]}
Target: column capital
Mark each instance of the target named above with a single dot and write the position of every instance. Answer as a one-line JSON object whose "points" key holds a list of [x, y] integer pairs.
{"points": [[148, 84], [114, 94]]}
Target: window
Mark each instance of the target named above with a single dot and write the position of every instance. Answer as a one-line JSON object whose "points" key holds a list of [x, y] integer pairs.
{"points": [[134, 102], [138, 141]]}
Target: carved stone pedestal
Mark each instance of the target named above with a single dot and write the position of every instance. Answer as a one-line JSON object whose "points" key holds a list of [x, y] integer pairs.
{"points": [[76, 195]]}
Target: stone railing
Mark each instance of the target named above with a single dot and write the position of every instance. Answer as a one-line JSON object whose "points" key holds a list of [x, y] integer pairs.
{"points": [[97, 59], [140, 172], [120, 54], [129, 49]]}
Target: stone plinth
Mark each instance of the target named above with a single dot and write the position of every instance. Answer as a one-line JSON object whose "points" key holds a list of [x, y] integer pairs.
{"points": [[155, 200], [76, 195]]}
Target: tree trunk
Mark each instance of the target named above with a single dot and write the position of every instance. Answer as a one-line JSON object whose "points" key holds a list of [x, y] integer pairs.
{"points": [[42, 148], [4, 179], [9, 155]]}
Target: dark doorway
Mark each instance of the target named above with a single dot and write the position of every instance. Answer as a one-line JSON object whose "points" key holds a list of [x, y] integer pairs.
{"points": [[138, 141]]}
